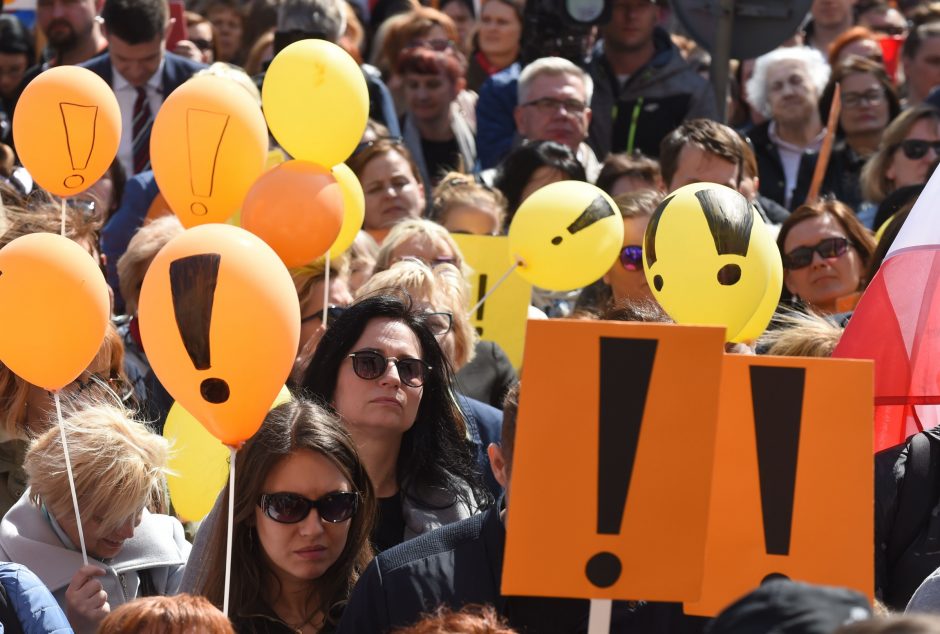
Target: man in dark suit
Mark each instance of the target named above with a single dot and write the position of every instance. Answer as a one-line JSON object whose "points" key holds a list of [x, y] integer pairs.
{"points": [[139, 70]]}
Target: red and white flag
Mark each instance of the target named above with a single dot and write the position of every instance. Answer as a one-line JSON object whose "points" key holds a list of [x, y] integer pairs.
{"points": [[897, 324]]}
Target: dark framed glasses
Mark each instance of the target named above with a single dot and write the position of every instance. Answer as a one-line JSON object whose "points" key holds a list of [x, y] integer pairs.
{"points": [[371, 364], [332, 312], [915, 149], [290, 508], [435, 44], [801, 257], [631, 257], [439, 323]]}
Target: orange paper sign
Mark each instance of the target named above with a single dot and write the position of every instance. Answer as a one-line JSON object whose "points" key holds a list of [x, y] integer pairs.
{"points": [[612, 467], [792, 492]]}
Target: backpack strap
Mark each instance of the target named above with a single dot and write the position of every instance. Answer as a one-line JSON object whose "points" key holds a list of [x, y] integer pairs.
{"points": [[917, 496]]}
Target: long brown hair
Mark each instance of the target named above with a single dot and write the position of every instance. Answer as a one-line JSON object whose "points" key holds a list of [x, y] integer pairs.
{"points": [[298, 424]]}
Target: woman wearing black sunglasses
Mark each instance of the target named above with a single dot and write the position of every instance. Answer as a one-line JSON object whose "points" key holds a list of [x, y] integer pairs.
{"points": [[380, 367], [825, 250], [304, 509]]}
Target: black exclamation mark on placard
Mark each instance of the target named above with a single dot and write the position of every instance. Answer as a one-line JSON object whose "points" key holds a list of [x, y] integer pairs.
{"points": [[481, 293], [625, 371], [597, 210], [192, 285], [777, 398]]}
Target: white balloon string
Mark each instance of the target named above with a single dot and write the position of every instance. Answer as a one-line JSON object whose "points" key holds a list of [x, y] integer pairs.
{"points": [[326, 289], [231, 523], [495, 286], [68, 468], [63, 217]]}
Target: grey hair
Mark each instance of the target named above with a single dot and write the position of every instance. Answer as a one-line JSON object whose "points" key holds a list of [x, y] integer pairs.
{"points": [[323, 16], [816, 67], [553, 66]]}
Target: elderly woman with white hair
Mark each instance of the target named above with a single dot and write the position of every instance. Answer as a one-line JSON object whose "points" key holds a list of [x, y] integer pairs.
{"points": [[118, 467], [785, 88]]}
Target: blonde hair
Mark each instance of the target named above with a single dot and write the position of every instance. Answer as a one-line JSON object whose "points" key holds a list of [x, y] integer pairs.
{"points": [[305, 277], [444, 287], [240, 77], [117, 463], [427, 231], [459, 190], [797, 334], [143, 247]]}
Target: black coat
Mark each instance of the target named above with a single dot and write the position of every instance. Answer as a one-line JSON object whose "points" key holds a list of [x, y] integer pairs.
{"points": [[769, 166], [462, 564]]}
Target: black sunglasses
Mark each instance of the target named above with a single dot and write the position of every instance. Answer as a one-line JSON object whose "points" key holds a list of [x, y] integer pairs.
{"points": [[371, 364], [631, 257], [801, 257], [290, 508], [332, 312], [915, 149]]}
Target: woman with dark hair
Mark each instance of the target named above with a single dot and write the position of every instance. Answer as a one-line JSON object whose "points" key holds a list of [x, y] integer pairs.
{"points": [[869, 104], [498, 40], [382, 370], [825, 250], [304, 508], [17, 53], [532, 166]]}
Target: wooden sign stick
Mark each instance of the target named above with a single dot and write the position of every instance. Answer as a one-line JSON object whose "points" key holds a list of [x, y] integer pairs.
{"points": [[826, 150]]}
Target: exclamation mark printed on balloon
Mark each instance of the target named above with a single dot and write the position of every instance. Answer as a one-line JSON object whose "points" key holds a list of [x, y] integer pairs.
{"points": [[79, 122], [192, 285], [481, 293], [729, 219], [626, 366], [777, 399], [205, 130], [597, 210]]}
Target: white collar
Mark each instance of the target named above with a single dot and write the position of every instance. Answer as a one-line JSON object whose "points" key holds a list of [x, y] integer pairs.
{"points": [[155, 83]]}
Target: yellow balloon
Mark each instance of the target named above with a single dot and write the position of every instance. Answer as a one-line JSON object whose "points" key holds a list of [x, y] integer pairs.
{"points": [[756, 326], [706, 260], [354, 208], [208, 146], [566, 235], [316, 101], [198, 464]]}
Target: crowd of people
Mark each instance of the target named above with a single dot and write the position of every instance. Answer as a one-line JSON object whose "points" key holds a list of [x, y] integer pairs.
{"points": [[375, 499]]}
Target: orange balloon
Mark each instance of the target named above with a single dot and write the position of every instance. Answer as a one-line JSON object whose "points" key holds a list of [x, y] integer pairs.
{"points": [[220, 321], [67, 127], [55, 309], [208, 145], [297, 208]]}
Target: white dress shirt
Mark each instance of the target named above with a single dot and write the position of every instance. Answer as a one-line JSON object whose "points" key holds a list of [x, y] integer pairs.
{"points": [[126, 96]]}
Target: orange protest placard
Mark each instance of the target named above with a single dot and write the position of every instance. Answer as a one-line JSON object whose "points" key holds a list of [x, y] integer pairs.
{"points": [[612, 461], [792, 492]]}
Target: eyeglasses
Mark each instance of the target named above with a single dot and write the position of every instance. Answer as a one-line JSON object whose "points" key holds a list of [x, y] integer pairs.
{"points": [[439, 323], [370, 364], [548, 105], [332, 312], [631, 257], [436, 44], [801, 257], [290, 508], [915, 149], [869, 97]]}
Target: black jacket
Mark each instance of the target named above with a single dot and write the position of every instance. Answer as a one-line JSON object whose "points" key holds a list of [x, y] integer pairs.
{"points": [[462, 564], [769, 166], [841, 179]]}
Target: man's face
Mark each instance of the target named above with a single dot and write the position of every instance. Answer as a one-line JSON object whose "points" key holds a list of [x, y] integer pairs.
{"points": [[695, 165], [555, 110], [790, 91], [832, 13], [65, 22], [631, 25], [136, 62], [923, 71]]}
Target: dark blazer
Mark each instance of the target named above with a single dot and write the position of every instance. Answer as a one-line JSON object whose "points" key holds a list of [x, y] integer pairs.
{"points": [[769, 165], [462, 563], [176, 70]]}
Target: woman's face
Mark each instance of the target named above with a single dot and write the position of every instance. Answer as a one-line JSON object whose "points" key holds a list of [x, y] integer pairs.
{"points": [[540, 178], [463, 19], [429, 304], [384, 406], [428, 97], [392, 192], [479, 220], [825, 279], [228, 29], [430, 251], [201, 35], [910, 165], [12, 68], [500, 29], [311, 310], [864, 105], [99, 543], [626, 277], [304, 551]]}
